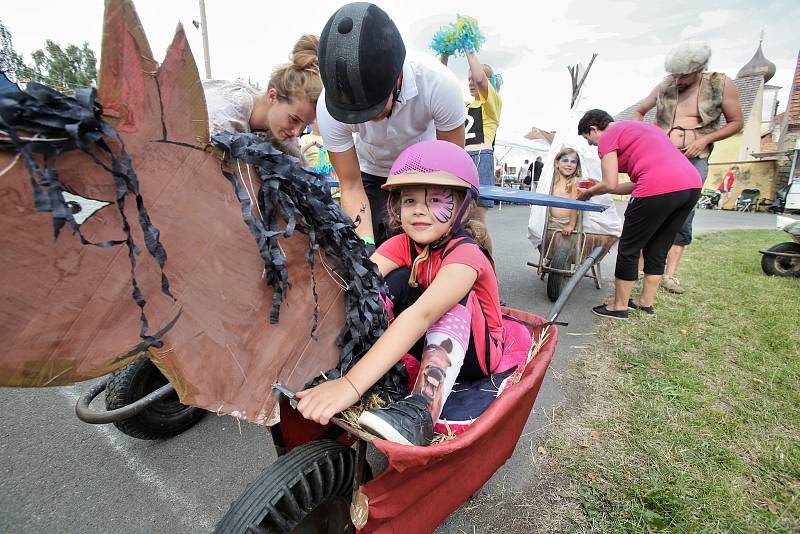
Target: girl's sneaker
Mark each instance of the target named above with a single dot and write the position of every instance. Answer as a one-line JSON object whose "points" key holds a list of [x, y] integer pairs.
{"points": [[407, 421]]}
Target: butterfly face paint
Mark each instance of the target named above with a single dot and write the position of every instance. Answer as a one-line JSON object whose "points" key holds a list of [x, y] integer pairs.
{"points": [[440, 204]]}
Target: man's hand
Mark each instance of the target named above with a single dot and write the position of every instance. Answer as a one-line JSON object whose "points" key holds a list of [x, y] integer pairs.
{"points": [[696, 148], [326, 400]]}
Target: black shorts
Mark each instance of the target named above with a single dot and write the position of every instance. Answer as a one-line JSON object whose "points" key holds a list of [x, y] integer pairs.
{"points": [[402, 296]]}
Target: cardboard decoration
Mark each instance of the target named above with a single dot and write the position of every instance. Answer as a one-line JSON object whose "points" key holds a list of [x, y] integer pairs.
{"points": [[67, 312]]}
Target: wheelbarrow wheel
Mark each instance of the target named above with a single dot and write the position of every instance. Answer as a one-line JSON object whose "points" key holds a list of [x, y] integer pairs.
{"points": [[782, 265], [164, 418], [306, 491], [556, 281]]}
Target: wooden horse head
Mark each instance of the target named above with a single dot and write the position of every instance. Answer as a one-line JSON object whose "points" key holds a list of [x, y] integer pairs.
{"points": [[67, 314]]}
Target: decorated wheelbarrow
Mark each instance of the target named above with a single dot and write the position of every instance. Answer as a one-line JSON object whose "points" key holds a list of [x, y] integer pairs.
{"points": [[783, 259], [126, 235], [320, 484], [562, 254]]}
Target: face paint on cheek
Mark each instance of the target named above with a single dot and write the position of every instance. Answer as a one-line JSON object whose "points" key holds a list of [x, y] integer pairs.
{"points": [[440, 204]]}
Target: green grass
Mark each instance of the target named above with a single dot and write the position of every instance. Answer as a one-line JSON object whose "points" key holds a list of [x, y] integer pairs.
{"points": [[697, 410]]}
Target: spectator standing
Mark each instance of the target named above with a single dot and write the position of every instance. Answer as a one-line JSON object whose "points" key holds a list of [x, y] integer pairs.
{"points": [[689, 105], [664, 188], [376, 103]]}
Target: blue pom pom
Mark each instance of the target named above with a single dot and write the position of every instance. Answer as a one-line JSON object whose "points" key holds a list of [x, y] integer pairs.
{"points": [[456, 37], [323, 166]]}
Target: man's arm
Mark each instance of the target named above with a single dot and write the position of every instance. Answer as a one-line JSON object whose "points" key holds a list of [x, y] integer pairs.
{"points": [[454, 136], [646, 105], [354, 199], [732, 110]]}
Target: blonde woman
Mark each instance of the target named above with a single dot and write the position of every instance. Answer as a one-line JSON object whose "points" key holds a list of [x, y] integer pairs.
{"points": [[282, 112]]}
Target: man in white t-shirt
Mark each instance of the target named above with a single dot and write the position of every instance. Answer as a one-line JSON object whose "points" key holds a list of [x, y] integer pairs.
{"points": [[375, 104]]}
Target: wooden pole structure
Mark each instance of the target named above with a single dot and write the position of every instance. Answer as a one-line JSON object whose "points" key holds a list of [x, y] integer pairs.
{"points": [[204, 29], [577, 84]]}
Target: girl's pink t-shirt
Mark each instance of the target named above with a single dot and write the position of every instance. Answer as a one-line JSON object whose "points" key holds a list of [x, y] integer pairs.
{"points": [[398, 250], [647, 155]]}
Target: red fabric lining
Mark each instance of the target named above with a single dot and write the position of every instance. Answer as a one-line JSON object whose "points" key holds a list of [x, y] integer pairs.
{"points": [[419, 490]]}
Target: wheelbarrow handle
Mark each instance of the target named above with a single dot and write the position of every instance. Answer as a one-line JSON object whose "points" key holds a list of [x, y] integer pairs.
{"points": [[87, 415], [580, 272]]}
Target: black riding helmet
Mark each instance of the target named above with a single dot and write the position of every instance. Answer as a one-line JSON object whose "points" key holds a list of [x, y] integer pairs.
{"points": [[361, 57]]}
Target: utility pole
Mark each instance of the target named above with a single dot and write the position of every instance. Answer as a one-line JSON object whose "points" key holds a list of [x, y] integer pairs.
{"points": [[204, 29]]}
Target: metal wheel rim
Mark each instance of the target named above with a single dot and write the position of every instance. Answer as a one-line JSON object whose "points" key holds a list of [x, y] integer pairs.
{"points": [[786, 265], [166, 407]]}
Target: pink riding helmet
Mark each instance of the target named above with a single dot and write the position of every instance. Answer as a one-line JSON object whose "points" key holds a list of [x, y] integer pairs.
{"points": [[434, 162]]}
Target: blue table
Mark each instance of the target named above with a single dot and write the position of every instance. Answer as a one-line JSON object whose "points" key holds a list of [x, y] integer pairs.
{"points": [[519, 196]]}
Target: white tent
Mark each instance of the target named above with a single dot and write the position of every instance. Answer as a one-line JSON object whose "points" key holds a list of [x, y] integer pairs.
{"points": [[514, 153], [607, 222]]}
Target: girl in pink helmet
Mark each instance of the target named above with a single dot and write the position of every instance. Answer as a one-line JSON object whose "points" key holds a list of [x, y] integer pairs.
{"points": [[443, 301]]}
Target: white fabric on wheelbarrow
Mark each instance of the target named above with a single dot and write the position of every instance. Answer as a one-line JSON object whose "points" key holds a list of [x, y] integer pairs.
{"points": [[604, 222]]}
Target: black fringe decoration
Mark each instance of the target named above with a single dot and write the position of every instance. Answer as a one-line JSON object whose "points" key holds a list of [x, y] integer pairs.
{"points": [[41, 124], [292, 198]]}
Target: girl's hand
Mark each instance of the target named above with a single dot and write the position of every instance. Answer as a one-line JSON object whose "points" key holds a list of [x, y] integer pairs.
{"points": [[326, 400], [567, 230]]}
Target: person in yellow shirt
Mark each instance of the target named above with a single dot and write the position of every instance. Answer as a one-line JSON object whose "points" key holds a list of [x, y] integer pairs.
{"points": [[483, 119]]}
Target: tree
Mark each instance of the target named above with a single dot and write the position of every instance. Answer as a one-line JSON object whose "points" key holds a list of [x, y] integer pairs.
{"points": [[10, 61], [63, 69]]}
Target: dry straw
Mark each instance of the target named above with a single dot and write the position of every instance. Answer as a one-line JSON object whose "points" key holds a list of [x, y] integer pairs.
{"points": [[352, 414]]}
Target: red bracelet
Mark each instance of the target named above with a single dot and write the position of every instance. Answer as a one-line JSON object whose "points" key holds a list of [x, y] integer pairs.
{"points": [[352, 385]]}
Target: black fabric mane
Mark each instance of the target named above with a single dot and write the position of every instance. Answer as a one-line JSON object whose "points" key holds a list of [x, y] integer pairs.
{"points": [[41, 124], [293, 199]]}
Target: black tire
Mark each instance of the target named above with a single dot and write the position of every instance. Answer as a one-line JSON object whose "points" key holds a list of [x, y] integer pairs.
{"points": [[556, 281], [781, 265], [164, 418], [305, 491]]}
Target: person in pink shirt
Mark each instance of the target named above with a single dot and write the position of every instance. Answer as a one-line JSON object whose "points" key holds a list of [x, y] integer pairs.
{"points": [[664, 188]]}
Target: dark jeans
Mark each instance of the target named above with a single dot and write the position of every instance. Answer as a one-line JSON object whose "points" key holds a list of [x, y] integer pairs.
{"points": [[650, 227], [403, 296], [377, 205], [684, 235]]}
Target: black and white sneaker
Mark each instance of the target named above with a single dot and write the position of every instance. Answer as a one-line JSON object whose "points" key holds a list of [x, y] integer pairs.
{"points": [[407, 421], [603, 311]]}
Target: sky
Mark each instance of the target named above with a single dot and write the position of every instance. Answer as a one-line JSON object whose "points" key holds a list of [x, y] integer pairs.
{"points": [[531, 45]]}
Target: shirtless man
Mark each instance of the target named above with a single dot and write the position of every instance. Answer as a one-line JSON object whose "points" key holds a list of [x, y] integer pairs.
{"points": [[689, 105]]}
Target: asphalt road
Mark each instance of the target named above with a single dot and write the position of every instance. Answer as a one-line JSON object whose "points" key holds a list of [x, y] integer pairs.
{"points": [[58, 474]]}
